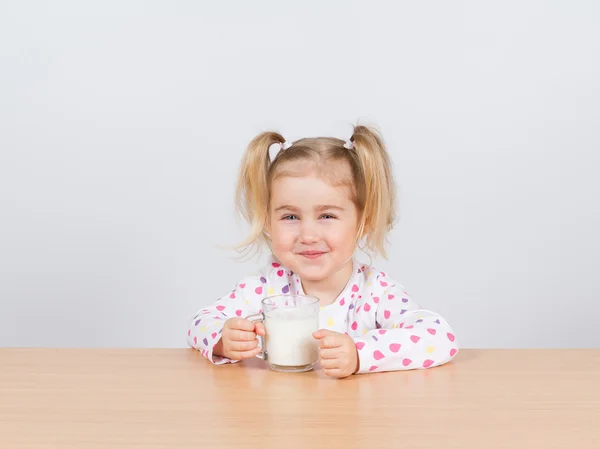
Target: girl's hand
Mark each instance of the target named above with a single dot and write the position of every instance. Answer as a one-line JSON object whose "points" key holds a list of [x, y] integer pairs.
{"points": [[238, 339], [339, 357]]}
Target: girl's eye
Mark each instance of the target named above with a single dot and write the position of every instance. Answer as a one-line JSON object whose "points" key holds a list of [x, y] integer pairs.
{"points": [[327, 216], [290, 217]]}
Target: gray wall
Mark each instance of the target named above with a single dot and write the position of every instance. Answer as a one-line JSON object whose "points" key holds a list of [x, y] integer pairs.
{"points": [[122, 123]]}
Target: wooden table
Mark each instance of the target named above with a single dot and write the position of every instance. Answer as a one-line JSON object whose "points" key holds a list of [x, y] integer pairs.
{"points": [[172, 398]]}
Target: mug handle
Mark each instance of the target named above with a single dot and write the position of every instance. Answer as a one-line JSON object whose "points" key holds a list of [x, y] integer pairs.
{"points": [[259, 317]]}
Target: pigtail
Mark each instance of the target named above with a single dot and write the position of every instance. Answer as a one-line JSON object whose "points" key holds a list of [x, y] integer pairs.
{"points": [[252, 193], [380, 195]]}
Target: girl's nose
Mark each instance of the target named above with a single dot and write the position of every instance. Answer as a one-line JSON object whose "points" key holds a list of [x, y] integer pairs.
{"points": [[309, 232]]}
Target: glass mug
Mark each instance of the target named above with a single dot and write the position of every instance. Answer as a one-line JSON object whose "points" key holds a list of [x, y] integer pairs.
{"points": [[290, 321]]}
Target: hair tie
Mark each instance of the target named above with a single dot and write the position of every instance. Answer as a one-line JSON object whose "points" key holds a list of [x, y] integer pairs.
{"points": [[281, 146], [349, 145]]}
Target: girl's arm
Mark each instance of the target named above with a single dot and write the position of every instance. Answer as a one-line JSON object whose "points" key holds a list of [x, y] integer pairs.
{"points": [[204, 329], [407, 337]]}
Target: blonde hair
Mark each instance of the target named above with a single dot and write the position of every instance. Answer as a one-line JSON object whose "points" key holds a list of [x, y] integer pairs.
{"points": [[372, 185]]}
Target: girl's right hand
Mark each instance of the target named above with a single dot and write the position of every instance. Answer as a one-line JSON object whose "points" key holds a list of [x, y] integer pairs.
{"points": [[238, 339]]}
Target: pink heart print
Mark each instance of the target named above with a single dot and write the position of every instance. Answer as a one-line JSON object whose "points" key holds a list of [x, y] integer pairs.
{"points": [[258, 290], [360, 345], [395, 347], [387, 314], [355, 288], [378, 355]]}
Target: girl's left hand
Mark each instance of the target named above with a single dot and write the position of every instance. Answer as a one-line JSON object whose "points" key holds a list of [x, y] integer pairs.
{"points": [[338, 354]]}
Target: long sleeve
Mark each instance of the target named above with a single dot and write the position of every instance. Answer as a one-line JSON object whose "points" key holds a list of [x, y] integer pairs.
{"points": [[390, 330], [404, 336], [205, 328]]}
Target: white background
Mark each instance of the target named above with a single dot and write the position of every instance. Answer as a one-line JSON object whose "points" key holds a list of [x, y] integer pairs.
{"points": [[122, 124]]}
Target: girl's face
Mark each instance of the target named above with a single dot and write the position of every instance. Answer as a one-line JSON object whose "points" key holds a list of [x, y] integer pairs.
{"points": [[313, 225]]}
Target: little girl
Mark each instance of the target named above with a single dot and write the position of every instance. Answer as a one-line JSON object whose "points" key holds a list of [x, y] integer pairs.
{"points": [[313, 205]]}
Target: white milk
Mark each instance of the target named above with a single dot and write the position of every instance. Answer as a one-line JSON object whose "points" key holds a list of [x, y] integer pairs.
{"points": [[289, 340]]}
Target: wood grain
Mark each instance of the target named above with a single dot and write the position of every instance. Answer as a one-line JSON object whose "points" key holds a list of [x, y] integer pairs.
{"points": [[173, 398]]}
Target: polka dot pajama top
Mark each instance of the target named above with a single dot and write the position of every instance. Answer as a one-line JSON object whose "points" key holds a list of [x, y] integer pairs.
{"points": [[390, 330]]}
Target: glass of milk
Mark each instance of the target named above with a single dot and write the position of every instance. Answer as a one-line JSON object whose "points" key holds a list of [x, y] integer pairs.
{"points": [[290, 321]]}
